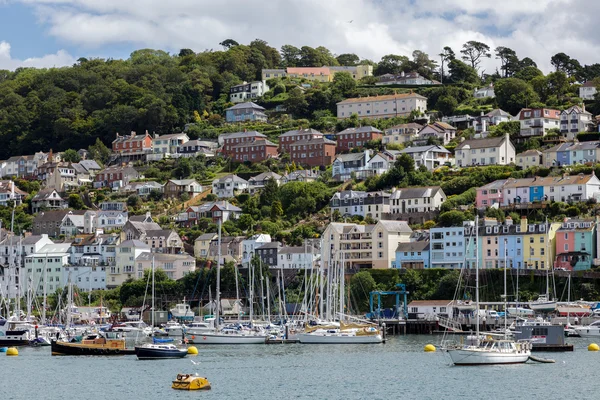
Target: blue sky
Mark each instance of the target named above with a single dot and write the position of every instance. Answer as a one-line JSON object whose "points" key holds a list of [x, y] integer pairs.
{"points": [[46, 33]]}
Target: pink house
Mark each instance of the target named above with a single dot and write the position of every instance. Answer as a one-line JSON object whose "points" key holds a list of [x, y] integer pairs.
{"points": [[490, 194]]}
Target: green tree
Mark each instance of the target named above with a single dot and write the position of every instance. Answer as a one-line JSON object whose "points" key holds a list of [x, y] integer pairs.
{"points": [[228, 44], [75, 202], [348, 59], [509, 62], [446, 105], [276, 210], [461, 72], [99, 152], [70, 155], [296, 103], [473, 51], [391, 64], [290, 55], [343, 84], [134, 201], [446, 56], [361, 284], [452, 218], [513, 94]]}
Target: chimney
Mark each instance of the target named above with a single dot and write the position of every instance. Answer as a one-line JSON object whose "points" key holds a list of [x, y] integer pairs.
{"points": [[508, 221], [483, 125], [50, 156], [523, 224], [132, 134]]}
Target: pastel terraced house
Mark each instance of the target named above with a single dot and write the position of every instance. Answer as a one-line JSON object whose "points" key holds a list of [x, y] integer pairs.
{"points": [[576, 245], [387, 106]]}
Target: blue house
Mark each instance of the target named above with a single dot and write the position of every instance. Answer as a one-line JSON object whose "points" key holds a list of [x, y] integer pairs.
{"points": [[248, 111], [536, 193], [412, 255]]}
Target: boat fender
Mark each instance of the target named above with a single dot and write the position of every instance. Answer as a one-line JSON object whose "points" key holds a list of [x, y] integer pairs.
{"points": [[193, 337], [117, 351]]}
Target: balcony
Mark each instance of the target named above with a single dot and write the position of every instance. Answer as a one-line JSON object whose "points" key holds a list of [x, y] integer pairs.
{"points": [[532, 132]]}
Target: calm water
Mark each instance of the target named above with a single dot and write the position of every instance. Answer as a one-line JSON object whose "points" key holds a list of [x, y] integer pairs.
{"points": [[397, 369]]}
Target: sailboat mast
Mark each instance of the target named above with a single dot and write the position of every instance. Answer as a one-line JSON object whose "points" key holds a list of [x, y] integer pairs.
{"points": [[342, 290], [153, 311], [547, 262], [477, 279], [218, 294], [237, 292], [69, 301], [569, 298], [45, 288], [505, 294]]}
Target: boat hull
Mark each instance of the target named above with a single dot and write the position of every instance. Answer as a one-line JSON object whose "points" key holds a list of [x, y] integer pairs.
{"points": [[586, 332], [477, 357], [543, 307], [216, 338], [77, 349], [152, 354], [311, 338]]}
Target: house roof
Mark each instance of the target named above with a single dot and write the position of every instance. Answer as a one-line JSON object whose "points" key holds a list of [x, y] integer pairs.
{"points": [[270, 245], [410, 125], [32, 239], [44, 194], [320, 140], [264, 176], [302, 173], [298, 250], [56, 215], [499, 184], [206, 236], [422, 245], [140, 218], [200, 143], [257, 142], [396, 226], [301, 132], [183, 182], [159, 233], [171, 135], [482, 143], [229, 177], [90, 165], [350, 157], [360, 129], [416, 192], [349, 194], [234, 135], [308, 70], [383, 98], [54, 248], [133, 137], [246, 105], [589, 84], [144, 226], [498, 113], [422, 149], [550, 181], [531, 152], [576, 109]]}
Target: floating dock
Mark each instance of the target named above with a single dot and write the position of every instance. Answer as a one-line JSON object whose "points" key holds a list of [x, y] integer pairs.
{"points": [[282, 341]]}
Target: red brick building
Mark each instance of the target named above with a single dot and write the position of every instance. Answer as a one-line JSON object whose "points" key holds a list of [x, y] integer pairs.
{"points": [[313, 152], [132, 144], [230, 140], [121, 174], [356, 137], [256, 151], [290, 137]]}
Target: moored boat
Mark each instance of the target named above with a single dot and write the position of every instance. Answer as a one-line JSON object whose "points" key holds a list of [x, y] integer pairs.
{"points": [[106, 344], [159, 350], [14, 333]]}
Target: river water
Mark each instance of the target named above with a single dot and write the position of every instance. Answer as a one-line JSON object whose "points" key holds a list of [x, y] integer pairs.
{"points": [[396, 369]]}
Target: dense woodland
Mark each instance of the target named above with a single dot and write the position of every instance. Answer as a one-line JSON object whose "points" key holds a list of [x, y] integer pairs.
{"points": [[71, 107]]}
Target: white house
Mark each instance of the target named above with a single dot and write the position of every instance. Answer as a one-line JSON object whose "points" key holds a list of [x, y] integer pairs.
{"points": [[297, 257], [175, 266], [387, 106], [494, 117], [250, 245], [47, 267], [108, 220], [438, 130], [431, 156], [416, 199], [488, 151], [587, 90], [481, 93], [447, 247], [537, 121], [345, 165], [364, 204], [247, 91], [563, 188], [573, 120], [165, 145], [431, 309], [229, 186], [125, 268], [401, 133], [257, 183], [382, 161]]}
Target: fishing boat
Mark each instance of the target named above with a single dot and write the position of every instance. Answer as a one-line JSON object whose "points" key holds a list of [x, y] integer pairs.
{"points": [[100, 344], [489, 350], [159, 350]]}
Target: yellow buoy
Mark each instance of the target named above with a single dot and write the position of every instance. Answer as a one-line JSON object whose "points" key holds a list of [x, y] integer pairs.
{"points": [[429, 348], [591, 347], [12, 351], [192, 350]]}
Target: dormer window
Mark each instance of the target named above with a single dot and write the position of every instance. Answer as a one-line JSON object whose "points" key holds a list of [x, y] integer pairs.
{"points": [[531, 228]]}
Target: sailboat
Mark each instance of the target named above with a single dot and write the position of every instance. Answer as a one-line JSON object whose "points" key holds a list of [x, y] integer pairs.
{"points": [[487, 351], [332, 332], [158, 349], [228, 335]]}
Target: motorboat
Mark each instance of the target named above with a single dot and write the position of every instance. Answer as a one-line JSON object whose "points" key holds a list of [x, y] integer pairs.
{"points": [[132, 328], [190, 382], [200, 327], [159, 350], [182, 312], [543, 304], [345, 334], [465, 305], [234, 334], [173, 328], [591, 330], [101, 344], [520, 312], [14, 332]]}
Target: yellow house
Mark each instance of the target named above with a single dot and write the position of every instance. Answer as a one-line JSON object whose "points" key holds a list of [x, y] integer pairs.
{"points": [[539, 244], [202, 245]]}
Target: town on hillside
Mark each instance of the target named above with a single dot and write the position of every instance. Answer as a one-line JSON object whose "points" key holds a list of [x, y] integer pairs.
{"points": [[306, 162]]}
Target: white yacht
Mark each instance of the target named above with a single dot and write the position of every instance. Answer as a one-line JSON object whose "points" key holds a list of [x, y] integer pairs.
{"points": [[182, 312], [369, 335], [591, 330], [173, 328]]}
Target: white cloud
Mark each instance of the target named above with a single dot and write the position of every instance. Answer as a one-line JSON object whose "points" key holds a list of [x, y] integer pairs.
{"points": [[59, 59], [536, 29]]}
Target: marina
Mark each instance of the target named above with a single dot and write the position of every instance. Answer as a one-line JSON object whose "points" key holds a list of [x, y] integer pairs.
{"points": [[347, 372]]}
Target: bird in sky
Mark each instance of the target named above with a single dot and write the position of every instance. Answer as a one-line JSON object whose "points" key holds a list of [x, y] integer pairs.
{"points": [[350, 21]]}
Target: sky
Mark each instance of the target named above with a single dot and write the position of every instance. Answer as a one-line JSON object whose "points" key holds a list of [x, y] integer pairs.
{"points": [[54, 33]]}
